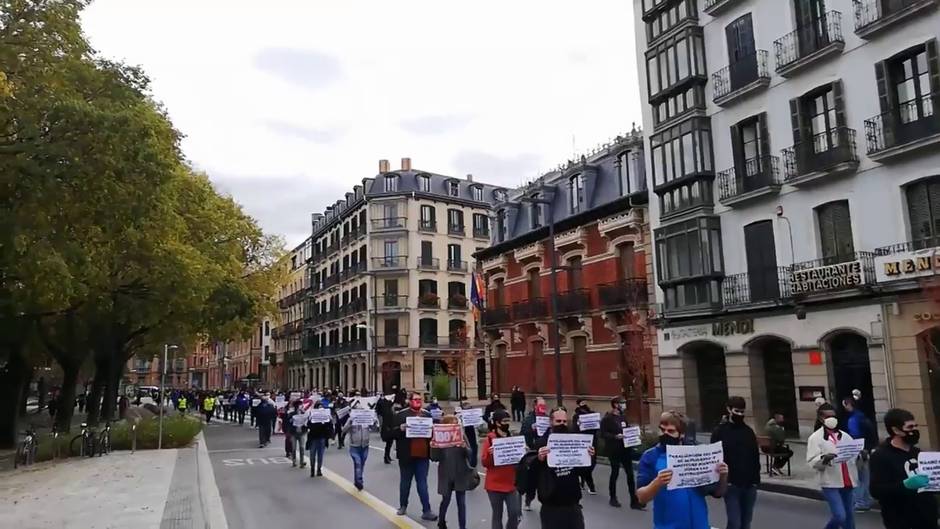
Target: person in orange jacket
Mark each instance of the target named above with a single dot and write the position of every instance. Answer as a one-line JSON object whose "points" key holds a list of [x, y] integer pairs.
{"points": [[500, 484]]}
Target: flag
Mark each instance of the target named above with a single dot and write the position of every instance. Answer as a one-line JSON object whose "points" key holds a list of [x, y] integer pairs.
{"points": [[477, 294]]}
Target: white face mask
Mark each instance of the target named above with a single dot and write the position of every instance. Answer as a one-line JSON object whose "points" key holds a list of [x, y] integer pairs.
{"points": [[831, 423]]}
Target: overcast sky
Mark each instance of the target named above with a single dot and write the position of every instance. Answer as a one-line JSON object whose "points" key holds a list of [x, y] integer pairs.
{"points": [[288, 107]]}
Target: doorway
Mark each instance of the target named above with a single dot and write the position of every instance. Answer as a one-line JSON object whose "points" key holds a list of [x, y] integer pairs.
{"points": [[535, 349], [761, 261], [742, 56], [851, 369], [779, 383], [391, 376], [712, 384], [579, 363], [481, 379]]}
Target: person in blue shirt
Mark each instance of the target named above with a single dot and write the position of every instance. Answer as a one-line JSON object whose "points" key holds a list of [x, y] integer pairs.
{"points": [[678, 508], [858, 426]]}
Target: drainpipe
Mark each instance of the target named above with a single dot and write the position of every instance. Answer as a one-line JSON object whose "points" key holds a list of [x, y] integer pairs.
{"points": [[889, 355]]}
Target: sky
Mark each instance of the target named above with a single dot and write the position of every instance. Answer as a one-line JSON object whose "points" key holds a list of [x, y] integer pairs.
{"points": [[289, 104]]}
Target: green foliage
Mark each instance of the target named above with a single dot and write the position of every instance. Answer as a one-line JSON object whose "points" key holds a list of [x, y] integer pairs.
{"points": [[440, 386], [178, 432]]}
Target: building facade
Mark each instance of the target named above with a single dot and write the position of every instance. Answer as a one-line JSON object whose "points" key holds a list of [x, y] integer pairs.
{"points": [[389, 280], [199, 360], [596, 208], [287, 335], [792, 152]]}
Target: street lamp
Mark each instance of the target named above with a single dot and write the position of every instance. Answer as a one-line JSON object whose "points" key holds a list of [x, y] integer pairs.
{"points": [[166, 352], [375, 323]]}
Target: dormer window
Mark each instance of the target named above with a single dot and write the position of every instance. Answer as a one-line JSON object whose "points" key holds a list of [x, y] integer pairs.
{"points": [[500, 195], [391, 183], [576, 192], [477, 193], [453, 188], [536, 215], [424, 183]]}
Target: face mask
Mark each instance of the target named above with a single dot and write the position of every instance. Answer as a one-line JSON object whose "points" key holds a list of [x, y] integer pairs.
{"points": [[737, 419], [912, 437], [560, 428], [540, 409], [504, 428], [831, 423], [416, 404], [665, 439]]}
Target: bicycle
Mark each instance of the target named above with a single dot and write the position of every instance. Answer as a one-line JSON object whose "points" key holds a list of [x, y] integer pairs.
{"points": [[104, 440], [26, 451], [86, 446]]}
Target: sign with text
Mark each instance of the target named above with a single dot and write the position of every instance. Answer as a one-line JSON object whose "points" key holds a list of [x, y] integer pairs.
{"points": [[446, 436], [508, 450], [255, 403], [928, 464], [362, 417], [907, 265], [541, 424], [589, 421], [299, 420], [732, 327], [569, 450], [471, 417], [319, 415], [693, 465], [295, 395], [342, 412], [848, 450], [437, 413], [631, 436], [418, 427], [824, 278]]}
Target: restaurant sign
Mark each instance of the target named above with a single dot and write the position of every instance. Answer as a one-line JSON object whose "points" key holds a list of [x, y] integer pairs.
{"points": [[824, 278], [907, 265]]}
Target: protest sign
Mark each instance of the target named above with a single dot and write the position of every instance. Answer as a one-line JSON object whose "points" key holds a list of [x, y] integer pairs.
{"points": [[589, 421], [437, 413], [928, 464], [446, 435], [471, 417], [541, 424], [342, 412], [319, 415], [294, 395], [569, 450], [279, 399], [631, 436], [848, 450], [362, 417], [255, 403], [418, 427], [281, 404], [508, 450], [693, 465], [299, 420]]}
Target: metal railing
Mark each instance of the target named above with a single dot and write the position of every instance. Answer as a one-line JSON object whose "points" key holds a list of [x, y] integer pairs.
{"points": [[388, 223], [429, 263], [456, 266], [444, 342], [576, 301], [456, 229], [481, 233], [757, 173], [497, 315], [630, 292], [427, 225], [820, 152], [808, 39], [457, 302], [390, 301], [354, 307], [390, 262], [867, 12], [903, 124], [429, 301], [866, 259], [352, 346], [739, 74], [922, 243], [530, 309], [771, 285], [392, 340]]}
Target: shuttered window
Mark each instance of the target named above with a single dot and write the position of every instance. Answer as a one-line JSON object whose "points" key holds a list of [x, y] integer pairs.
{"points": [[923, 207], [835, 231]]}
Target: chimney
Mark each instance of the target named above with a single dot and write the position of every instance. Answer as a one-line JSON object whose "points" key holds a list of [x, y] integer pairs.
{"points": [[406, 164], [383, 166], [469, 177]]}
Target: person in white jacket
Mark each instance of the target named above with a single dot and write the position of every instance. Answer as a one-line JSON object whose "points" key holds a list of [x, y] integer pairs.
{"points": [[836, 480]]}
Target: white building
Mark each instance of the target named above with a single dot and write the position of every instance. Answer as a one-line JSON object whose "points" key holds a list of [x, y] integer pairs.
{"points": [[793, 151]]}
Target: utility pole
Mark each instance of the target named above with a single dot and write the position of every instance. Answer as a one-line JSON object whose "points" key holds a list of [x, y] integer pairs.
{"points": [[166, 354]]}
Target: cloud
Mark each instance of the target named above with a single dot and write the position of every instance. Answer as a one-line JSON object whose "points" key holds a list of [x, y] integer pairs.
{"points": [[315, 135], [429, 125], [506, 171], [310, 69]]}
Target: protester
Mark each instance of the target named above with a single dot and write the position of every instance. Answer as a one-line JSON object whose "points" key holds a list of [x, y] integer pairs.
{"points": [[255, 402], [495, 404], [386, 415], [778, 439], [859, 426], [208, 407], [837, 481], [358, 448], [413, 461], [529, 431], [317, 435], [559, 489], [340, 404], [295, 428], [678, 508], [500, 480], [586, 474], [742, 455], [241, 406], [454, 475], [182, 404], [894, 479], [470, 434], [612, 426], [265, 413], [517, 402]]}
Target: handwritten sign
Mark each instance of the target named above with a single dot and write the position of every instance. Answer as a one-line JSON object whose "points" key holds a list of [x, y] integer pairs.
{"points": [[693, 466], [508, 450], [342, 412], [589, 421], [471, 417], [928, 464], [255, 403], [437, 413], [319, 415], [446, 436], [569, 450], [279, 399], [418, 427], [362, 417], [631, 436], [848, 450], [294, 395], [541, 425], [299, 420]]}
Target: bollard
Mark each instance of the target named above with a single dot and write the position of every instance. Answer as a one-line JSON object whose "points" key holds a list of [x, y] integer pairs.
{"points": [[133, 438]]}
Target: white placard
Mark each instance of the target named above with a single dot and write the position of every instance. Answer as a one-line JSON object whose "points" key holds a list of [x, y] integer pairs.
{"points": [[279, 405], [362, 417], [693, 465], [299, 420], [631, 436], [255, 403], [928, 464], [418, 427], [569, 450], [508, 450], [319, 415], [342, 412], [437, 413], [541, 424], [589, 421], [294, 396], [471, 417], [279, 399], [848, 450]]}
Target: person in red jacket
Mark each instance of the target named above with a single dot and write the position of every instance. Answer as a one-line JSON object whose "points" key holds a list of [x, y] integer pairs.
{"points": [[500, 481]]}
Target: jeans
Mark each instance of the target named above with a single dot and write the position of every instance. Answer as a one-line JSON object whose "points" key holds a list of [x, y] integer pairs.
{"points": [[840, 504], [586, 477], [300, 443], [416, 469], [359, 454], [513, 509], [317, 448], [388, 450], [620, 459], [863, 499], [739, 505], [461, 507], [562, 517], [208, 416], [241, 416], [264, 435]]}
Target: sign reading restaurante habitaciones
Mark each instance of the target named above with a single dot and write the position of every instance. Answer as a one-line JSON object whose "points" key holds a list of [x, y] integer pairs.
{"points": [[831, 277]]}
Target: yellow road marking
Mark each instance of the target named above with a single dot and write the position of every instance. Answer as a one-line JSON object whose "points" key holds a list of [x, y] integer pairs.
{"points": [[385, 510]]}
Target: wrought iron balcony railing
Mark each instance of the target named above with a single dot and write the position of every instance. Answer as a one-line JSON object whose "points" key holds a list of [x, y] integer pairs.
{"points": [[921, 243], [456, 229], [756, 287], [574, 301], [427, 225], [390, 262], [390, 302], [904, 124], [807, 40], [741, 74], [625, 293], [870, 14], [498, 315], [391, 341], [762, 172], [820, 153], [456, 266], [429, 263], [530, 309], [457, 302], [389, 223]]}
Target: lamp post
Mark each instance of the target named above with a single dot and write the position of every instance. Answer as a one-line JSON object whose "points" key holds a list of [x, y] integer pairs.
{"points": [[374, 350], [166, 354]]}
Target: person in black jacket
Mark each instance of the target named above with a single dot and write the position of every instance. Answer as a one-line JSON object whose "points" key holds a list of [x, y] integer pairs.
{"points": [[894, 478], [318, 433], [587, 474], [383, 409], [494, 405], [559, 489], [743, 459], [413, 459], [612, 426], [266, 413]]}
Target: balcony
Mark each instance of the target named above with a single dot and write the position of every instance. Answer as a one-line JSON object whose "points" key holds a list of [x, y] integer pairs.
{"points": [[809, 44], [739, 79], [481, 232], [353, 271], [333, 280], [872, 17], [392, 341], [531, 250], [388, 224], [390, 263], [500, 315], [352, 347], [426, 225], [827, 154], [456, 266], [574, 301], [390, 303], [354, 307], [760, 177], [832, 274], [716, 7], [457, 302], [453, 341], [909, 246], [429, 263], [626, 293], [456, 229], [767, 287], [529, 309], [910, 127], [429, 300]]}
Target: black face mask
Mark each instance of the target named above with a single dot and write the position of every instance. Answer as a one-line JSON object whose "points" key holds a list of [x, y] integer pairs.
{"points": [[737, 419], [560, 428], [912, 437], [668, 440], [504, 428]]}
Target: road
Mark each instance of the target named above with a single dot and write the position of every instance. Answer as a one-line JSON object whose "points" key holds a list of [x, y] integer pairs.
{"points": [[260, 489]]}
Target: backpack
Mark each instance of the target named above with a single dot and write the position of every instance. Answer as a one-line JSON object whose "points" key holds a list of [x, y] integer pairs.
{"points": [[526, 473]]}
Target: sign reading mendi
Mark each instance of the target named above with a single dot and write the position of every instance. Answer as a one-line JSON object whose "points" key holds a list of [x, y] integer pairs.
{"points": [[907, 265], [831, 277]]}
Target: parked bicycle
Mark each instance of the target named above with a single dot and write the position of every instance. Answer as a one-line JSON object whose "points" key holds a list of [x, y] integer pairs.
{"points": [[104, 440], [27, 449], [84, 443]]}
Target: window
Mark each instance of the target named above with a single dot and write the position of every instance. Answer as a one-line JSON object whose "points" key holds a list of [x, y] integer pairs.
{"points": [[391, 248], [499, 195], [835, 232], [750, 147], [534, 283], [576, 193], [501, 225], [907, 92], [428, 219], [923, 208], [688, 259], [575, 279], [391, 333], [536, 213], [453, 188], [681, 151], [674, 61], [477, 193], [630, 173], [390, 211], [453, 255], [817, 117], [481, 225], [626, 261], [391, 183], [426, 287], [427, 327], [424, 183], [669, 18], [455, 221], [427, 253]]}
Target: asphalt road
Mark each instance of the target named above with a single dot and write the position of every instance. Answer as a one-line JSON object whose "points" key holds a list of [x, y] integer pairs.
{"points": [[260, 489]]}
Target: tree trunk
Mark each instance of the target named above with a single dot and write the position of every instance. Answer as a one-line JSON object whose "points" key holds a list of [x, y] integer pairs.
{"points": [[111, 388], [12, 380], [66, 404], [24, 394], [93, 402]]}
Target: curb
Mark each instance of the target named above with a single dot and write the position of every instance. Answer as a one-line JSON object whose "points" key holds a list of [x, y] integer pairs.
{"points": [[214, 513], [791, 490]]}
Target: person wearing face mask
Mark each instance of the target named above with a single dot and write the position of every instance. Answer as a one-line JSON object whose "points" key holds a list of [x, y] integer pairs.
{"points": [[500, 480], [266, 414], [413, 459], [612, 426], [859, 427], [495, 404], [678, 508], [587, 474], [529, 431], [559, 489], [742, 455], [838, 480], [894, 477]]}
